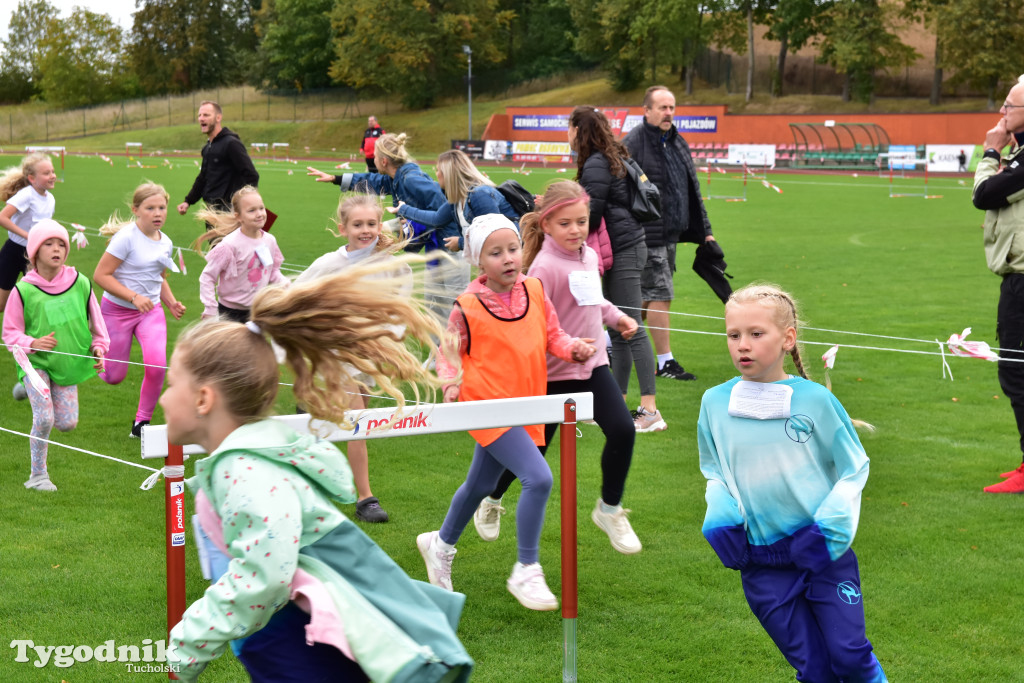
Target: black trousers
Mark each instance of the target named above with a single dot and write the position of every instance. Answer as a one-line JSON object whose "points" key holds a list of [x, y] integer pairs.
{"points": [[1010, 328]]}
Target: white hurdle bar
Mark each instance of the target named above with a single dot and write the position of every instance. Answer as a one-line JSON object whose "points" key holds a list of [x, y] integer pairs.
{"points": [[413, 420]]}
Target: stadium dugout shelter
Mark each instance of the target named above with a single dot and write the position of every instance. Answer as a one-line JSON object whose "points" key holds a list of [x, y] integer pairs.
{"points": [[831, 143]]}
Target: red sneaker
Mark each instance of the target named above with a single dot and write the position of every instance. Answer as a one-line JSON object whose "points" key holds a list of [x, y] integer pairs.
{"points": [[1007, 475], [1012, 484]]}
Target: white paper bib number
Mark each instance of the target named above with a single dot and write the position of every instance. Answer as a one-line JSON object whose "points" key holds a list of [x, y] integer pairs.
{"points": [[263, 254], [760, 401], [585, 286]]}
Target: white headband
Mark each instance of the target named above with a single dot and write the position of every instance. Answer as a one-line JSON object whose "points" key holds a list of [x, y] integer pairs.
{"points": [[480, 229]]}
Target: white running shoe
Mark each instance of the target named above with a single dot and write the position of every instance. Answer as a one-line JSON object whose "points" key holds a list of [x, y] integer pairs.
{"points": [[487, 519], [617, 526], [19, 392], [648, 422], [439, 563], [529, 588], [40, 482]]}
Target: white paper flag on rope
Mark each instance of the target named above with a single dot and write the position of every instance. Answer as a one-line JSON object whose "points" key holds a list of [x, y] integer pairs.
{"points": [[959, 346], [78, 236], [30, 372], [181, 262], [830, 357]]}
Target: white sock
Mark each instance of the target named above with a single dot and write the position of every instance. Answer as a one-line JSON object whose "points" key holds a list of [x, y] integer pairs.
{"points": [[664, 358], [609, 509], [493, 501], [446, 548]]}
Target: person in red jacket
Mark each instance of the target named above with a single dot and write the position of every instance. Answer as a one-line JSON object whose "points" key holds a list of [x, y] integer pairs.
{"points": [[370, 135]]}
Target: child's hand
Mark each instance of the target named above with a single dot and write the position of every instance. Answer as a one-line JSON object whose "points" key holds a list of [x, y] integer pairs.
{"points": [[451, 393], [142, 303], [452, 243], [47, 343], [582, 350], [99, 366], [321, 177], [177, 310], [391, 209], [627, 327]]}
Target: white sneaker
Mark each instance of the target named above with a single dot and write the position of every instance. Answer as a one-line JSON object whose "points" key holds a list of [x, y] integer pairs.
{"points": [[487, 519], [19, 392], [529, 588], [617, 526], [439, 563], [648, 422], [40, 482]]}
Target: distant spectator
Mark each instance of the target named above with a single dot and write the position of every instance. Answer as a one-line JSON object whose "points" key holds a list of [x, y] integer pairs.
{"points": [[226, 167], [370, 135], [962, 160]]}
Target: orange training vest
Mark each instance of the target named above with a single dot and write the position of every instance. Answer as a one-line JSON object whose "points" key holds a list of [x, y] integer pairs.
{"points": [[505, 358]]}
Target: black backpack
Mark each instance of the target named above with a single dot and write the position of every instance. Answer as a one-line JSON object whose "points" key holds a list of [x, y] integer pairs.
{"points": [[644, 198], [521, 199]]}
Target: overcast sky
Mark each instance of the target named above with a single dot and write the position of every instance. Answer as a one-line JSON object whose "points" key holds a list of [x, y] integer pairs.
{"points": [[118, 10]]}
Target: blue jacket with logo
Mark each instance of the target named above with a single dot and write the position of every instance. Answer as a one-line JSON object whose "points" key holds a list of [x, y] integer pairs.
{"points": [[781, 492]]}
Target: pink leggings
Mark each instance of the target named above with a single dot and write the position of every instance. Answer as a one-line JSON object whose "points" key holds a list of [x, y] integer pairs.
{"points": [[151, 331], [59, 409]]}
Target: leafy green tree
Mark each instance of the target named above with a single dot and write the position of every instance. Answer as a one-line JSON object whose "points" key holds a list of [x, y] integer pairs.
{"points": [[80, 59], [181, 45], [539, 43], [930, 13], [296, 43], [414, 49], [858, 40], [20, 71], [978, 38], [793, 23]]}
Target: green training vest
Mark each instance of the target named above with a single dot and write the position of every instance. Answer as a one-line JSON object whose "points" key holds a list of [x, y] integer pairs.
{"points": [[66, 314]]}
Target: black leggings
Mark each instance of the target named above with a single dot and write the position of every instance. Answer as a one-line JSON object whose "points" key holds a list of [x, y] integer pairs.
{"points": [[612, 416]]}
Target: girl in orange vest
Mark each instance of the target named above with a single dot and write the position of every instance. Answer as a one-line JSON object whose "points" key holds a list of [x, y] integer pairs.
{"points": [[503, 325]]}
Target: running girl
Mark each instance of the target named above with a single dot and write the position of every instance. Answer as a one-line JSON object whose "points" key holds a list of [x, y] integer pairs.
{"points": [[135, 290], [54, 309], [785, 472], [26, 189], [245, 261], [359, 222], [266, 495], [556, 253], [512, 326]]}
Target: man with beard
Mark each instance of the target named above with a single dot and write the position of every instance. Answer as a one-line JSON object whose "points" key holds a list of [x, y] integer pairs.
{"points": [[226, 164]]}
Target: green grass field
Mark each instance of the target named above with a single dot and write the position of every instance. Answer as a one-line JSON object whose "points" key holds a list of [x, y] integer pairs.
{"points": [[939, 558]]}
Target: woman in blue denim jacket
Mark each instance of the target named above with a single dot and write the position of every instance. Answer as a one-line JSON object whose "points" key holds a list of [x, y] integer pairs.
{"points": [[470, 194], [407, 184]]}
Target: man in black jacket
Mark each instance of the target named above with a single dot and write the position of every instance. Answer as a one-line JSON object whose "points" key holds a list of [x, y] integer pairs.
{"points": [[665, 157], [226, 164]]}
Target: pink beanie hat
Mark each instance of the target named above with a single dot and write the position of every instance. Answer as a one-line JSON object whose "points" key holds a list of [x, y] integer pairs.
{"points": [[42, 231]]}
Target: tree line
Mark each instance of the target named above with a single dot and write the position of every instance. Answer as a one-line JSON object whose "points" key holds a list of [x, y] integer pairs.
{"points": [[414, 49]]}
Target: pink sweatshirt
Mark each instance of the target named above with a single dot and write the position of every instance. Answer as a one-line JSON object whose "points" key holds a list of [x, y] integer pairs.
{"points": [[559, 343], [14, 314], [235, 271], [552, 266]]}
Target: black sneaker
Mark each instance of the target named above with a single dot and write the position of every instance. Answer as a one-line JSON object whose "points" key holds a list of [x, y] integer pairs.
{"points": [[369, 510], [674, 370], [136, 432]]}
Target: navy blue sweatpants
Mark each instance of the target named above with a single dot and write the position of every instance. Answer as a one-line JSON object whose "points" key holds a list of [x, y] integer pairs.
{"points": [[816, 620]]}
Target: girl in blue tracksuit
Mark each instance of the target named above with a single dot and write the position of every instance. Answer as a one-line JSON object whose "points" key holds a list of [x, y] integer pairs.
{"points": [[785, 472]]}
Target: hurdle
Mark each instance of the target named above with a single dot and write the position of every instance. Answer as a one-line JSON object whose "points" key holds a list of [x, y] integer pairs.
{"points": [[50, 150], [129, 148], [903, 162], [259, 150], [413, 420], [728, 198], [280, 145]]}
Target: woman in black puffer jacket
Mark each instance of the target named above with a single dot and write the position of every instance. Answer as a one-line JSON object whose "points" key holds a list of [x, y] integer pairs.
{"points": [[601, 173]]}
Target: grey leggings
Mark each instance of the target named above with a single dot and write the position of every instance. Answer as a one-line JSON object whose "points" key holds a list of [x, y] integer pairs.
{"points": [[622, 288]]}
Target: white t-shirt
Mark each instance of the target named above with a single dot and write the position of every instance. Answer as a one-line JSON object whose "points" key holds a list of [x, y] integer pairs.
{"points": [[32, 207], [143, 262]]}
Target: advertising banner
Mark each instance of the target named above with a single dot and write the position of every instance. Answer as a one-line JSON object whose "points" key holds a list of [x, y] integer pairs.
{"points": [[555, 152], [752, 155], [949, 158]]}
